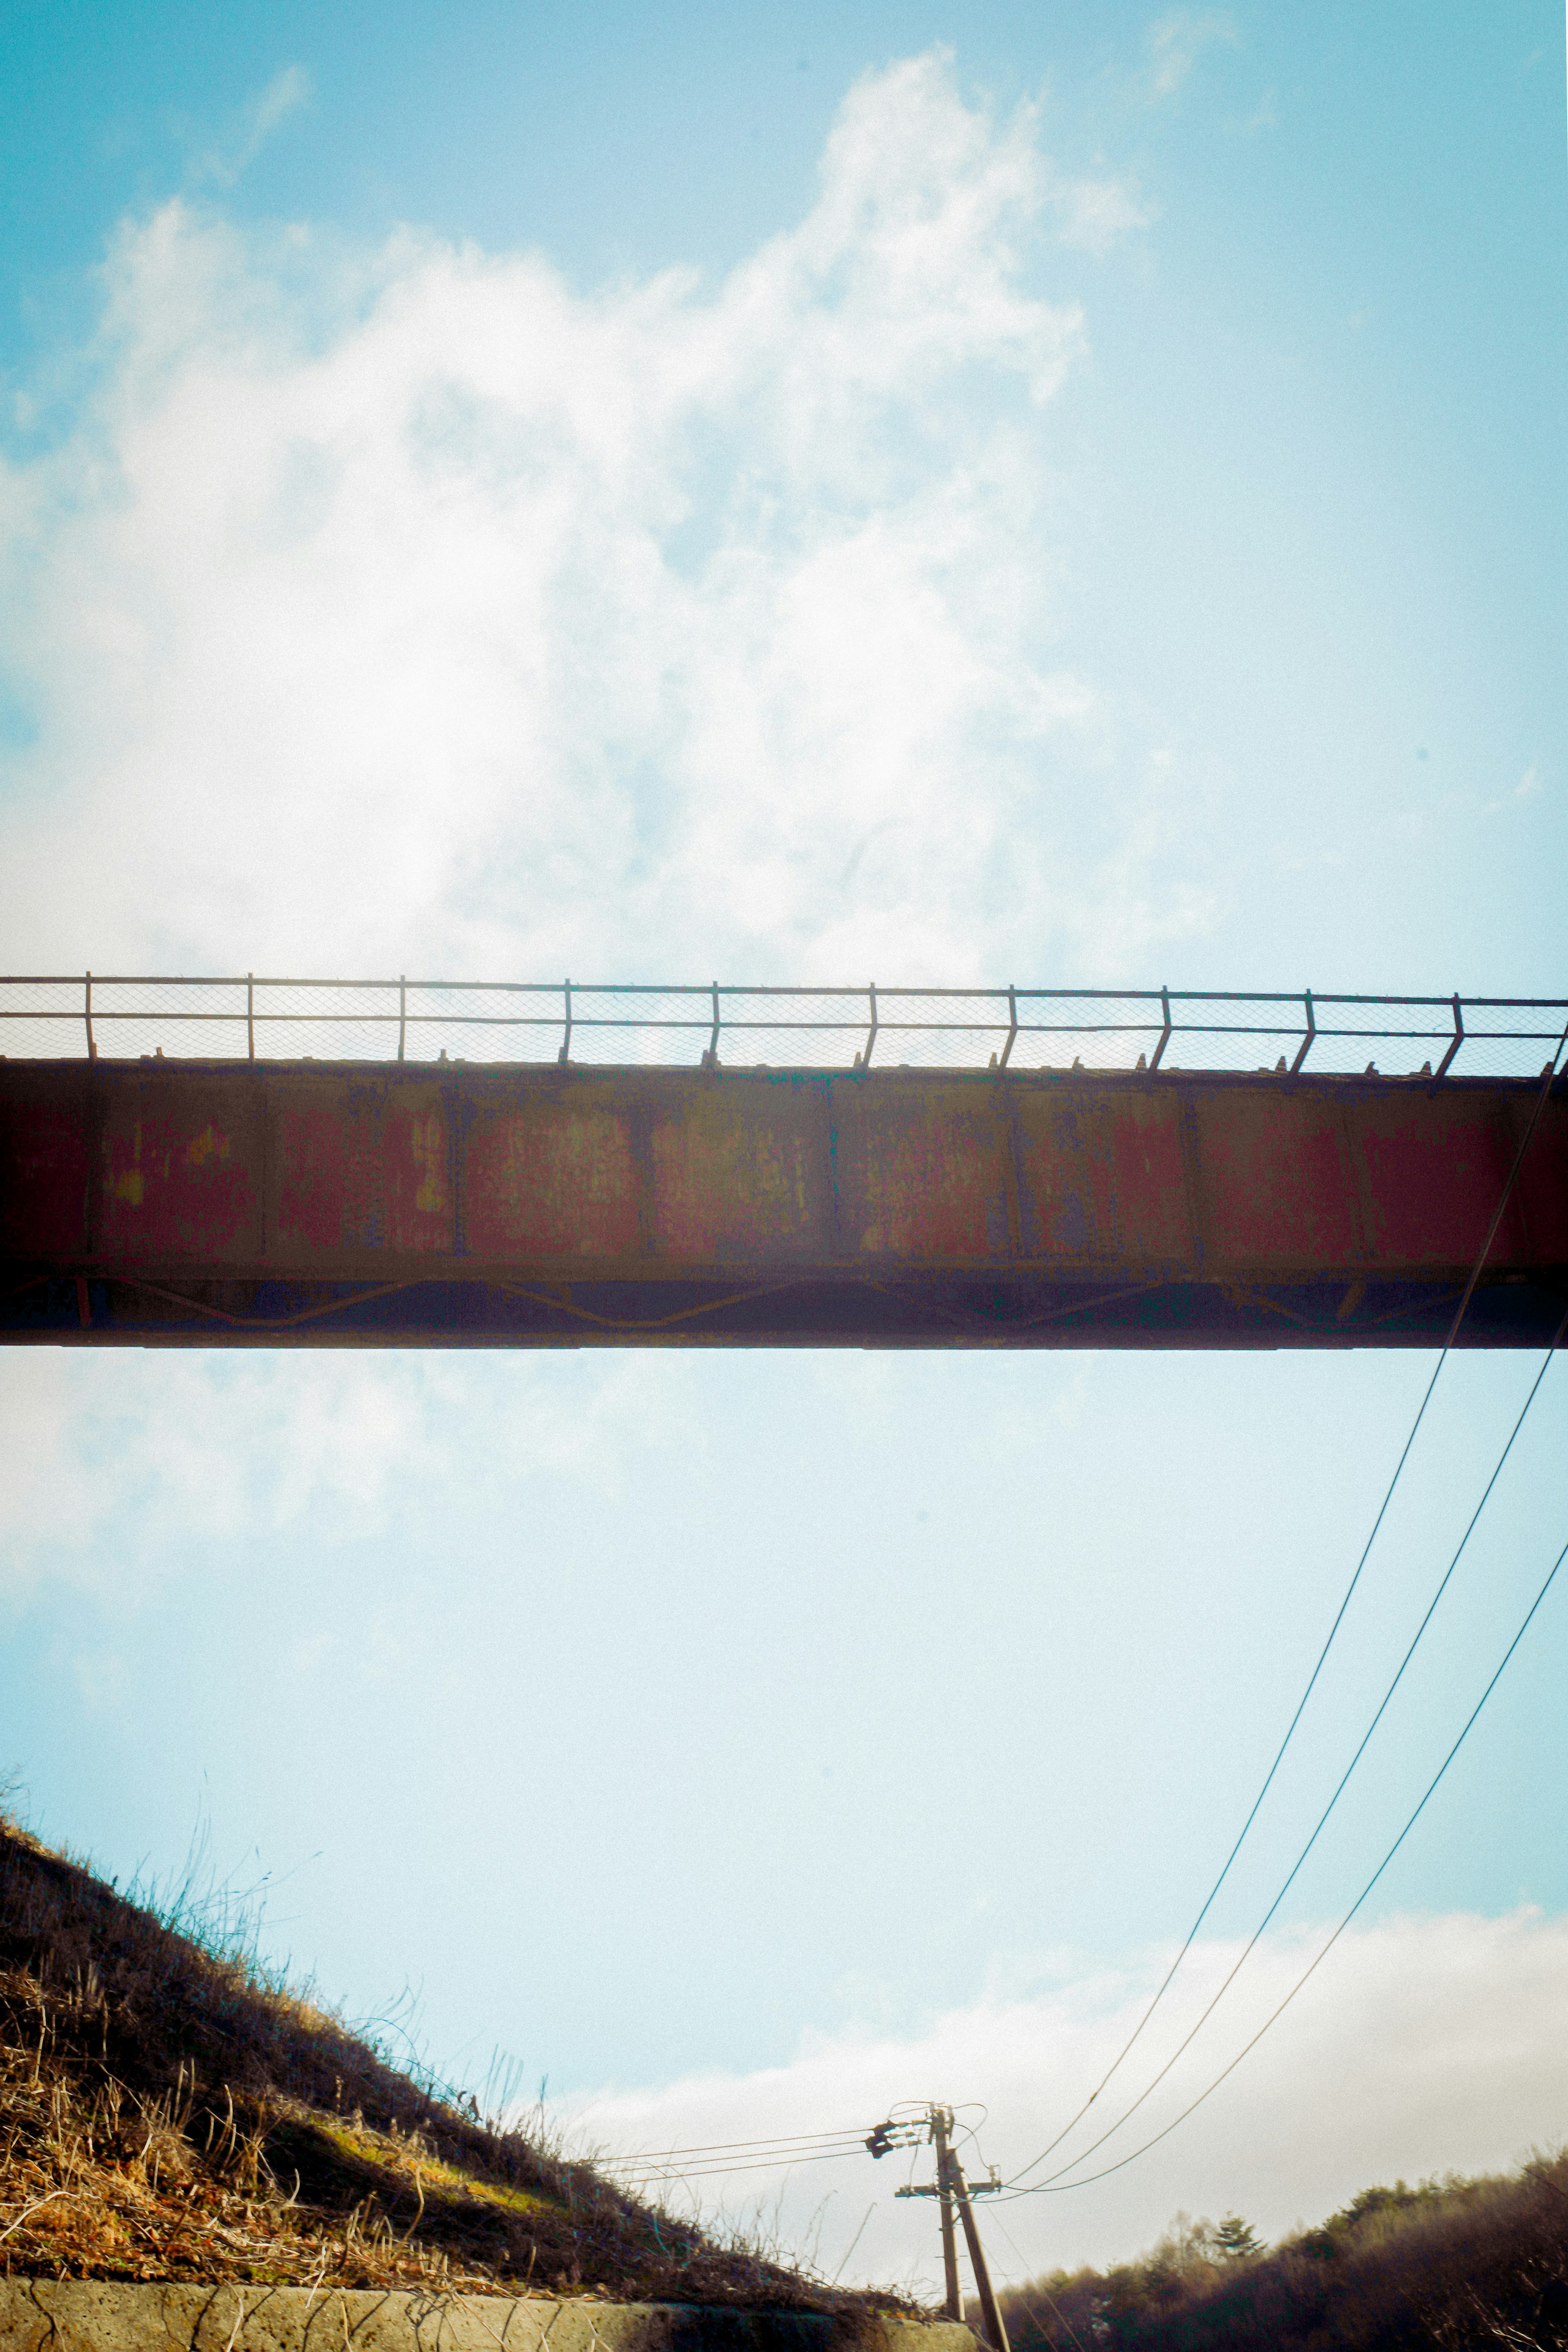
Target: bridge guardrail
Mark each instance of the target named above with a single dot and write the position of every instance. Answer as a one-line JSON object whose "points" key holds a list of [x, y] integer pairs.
{"points": [[251, 1018]]}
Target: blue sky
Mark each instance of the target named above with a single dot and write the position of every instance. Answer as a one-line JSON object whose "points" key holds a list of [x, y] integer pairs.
{"points": [[799, 495], [1293, 513]]}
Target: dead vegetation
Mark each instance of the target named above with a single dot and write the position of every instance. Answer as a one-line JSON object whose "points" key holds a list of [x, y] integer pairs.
{"points": [[168, 2110], [1451, 2265]]}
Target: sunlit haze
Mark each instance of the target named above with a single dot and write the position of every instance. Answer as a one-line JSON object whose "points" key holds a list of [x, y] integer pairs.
{"points": [[897, 492]]}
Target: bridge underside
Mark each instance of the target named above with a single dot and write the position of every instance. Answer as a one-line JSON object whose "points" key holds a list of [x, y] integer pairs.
{"points": [[330, 1204]]}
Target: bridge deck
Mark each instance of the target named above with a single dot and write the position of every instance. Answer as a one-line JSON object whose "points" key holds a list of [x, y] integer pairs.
{"points": [[364, 1204]]}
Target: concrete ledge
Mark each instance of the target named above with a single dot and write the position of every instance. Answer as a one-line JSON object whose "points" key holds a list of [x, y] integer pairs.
{"points": [[112, 2315]]}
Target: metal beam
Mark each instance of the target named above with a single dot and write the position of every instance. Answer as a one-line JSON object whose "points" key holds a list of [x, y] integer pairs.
{"points": [[364, 1204]]}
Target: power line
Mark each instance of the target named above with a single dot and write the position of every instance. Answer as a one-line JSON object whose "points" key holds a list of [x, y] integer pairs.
{"points": [[1030, 2280], [1059, 2187], [629, 2174], [723, 2147], [1469, 1292], [854, 2241], [1323, 1818]]}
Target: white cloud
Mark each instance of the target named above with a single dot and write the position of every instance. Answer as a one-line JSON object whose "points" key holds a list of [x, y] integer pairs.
{"points": [[111, 1455], [225, 162], [117, 1463], [415, 610], [1095, 215], [1528, 788], [1178, 40], [1421, 2044]]}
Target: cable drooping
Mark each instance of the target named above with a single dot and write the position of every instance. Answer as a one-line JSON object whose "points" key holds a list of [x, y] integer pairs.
{"points": [[1163, 1988], [856, 2132], [631, 2179], [1300, 1859], [1057, 2188]]}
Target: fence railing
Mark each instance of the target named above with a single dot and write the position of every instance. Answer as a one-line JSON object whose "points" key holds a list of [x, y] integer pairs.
{"points": [[249, 1018]]}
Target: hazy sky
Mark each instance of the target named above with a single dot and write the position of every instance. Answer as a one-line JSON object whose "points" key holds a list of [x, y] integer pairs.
{"points": [[1017, 493]]}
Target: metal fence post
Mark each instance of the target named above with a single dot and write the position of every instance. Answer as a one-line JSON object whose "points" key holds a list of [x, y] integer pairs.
{"points": [[1013, 1028], [1166, 1031], [863, 1059], [1312, 1032], [1458, 1041]]}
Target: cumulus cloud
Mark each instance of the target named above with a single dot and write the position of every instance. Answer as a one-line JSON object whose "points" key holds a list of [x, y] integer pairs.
{"points": [[1421, 2044], [416, 609]]}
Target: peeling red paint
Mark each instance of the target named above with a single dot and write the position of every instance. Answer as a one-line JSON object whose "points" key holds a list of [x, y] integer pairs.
{"points": [[1102, 1180], [557, 1180], [1277, 1187], [732, 1181], [359, 1175], [923, 1173], [369, 1172], [175, 1180]]}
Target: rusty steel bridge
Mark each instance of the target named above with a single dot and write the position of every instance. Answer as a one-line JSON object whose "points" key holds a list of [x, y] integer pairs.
{"points": [[412, 1163]]}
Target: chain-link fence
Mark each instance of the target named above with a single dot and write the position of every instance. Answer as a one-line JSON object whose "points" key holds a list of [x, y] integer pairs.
{"points": [[512, 1023]]}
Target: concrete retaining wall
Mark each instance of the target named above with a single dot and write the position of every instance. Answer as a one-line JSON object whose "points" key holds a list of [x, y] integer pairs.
{"points": [[109, 2316]]}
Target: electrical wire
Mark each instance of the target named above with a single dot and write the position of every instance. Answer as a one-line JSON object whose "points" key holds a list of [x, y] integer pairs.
{"points": [[1031, 2282], [810, 2148], [628, 2174], [1060, 2187], [658, 2168], [1052, 2145], [1300, 1859], [723, 2147], [717, 2158], [854, 2241]]}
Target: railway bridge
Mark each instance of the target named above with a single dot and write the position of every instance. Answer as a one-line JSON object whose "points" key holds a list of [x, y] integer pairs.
{"points": [[289, 1163]]}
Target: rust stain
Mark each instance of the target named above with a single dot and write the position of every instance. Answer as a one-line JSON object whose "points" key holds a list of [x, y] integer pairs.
{"points": [[551, 1178], [172, 1175], [366, 1168], [730, 1177], [636, 1173], [127, 1184], [1279, 1187], [925, 1168], [1101, 1179], [427, 1137], [208, 1145]]}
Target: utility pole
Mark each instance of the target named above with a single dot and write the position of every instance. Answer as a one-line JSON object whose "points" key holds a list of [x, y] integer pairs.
{"points": [[941, 2125], [996, 2328], [951, 2188]]}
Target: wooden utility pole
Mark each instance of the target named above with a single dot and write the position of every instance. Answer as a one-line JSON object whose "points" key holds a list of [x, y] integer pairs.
{"points": [[941, 2125], [996, 2326], [951, 2188]]}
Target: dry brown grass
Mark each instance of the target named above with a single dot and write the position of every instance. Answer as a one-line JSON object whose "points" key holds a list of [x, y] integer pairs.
{"points": [[169, 2111]]}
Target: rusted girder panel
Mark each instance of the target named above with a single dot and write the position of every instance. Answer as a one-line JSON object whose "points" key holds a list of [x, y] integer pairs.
{"points": [[365, 1204]]}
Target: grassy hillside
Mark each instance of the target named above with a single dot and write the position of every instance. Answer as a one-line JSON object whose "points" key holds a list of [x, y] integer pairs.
{"points": [[169, 2111], [1455, 2265]]}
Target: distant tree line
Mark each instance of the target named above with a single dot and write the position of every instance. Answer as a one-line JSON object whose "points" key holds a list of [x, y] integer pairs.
{"points": [[1454, 2265]]}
